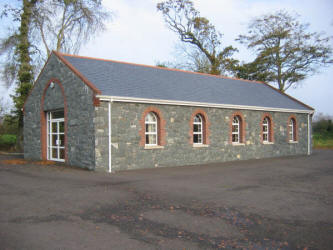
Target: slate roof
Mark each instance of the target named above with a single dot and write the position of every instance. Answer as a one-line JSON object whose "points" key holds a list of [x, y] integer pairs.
{"points": [[138, 81]]}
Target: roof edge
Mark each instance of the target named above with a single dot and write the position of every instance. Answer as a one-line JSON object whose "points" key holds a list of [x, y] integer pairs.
{"points": [[162, 68], [76, 72], [289, 96], [198, 104]]}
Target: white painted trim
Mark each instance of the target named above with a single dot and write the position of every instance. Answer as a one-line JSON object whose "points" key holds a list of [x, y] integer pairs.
{"points": [[110, 134], [153, 147], [48, 135], [309, 141], [200, 145], [268, 143], [198, 104]]}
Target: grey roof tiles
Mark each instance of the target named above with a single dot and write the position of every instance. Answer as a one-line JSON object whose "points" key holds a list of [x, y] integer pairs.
{"points": [[131, 80]]}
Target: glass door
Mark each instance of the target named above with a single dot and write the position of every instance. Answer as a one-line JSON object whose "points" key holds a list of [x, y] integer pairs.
{"points": [[56, 136]]}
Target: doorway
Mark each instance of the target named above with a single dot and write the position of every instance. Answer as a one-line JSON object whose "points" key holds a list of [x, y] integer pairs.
{"points": [[56, 136]]}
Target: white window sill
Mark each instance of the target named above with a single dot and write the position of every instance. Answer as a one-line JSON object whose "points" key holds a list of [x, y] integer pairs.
{"points": [[293, 142], [268, 143], [200, 145], [238, 144], [154, 147]]}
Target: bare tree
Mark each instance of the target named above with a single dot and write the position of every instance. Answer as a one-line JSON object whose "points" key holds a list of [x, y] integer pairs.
{"points": [[61, 25], [182, 18], [64, 25]]}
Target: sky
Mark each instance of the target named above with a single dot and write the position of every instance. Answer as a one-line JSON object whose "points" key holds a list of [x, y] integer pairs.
{"points": [[138, 34]]}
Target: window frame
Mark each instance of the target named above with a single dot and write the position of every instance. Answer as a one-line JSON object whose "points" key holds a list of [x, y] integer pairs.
{"points": [[148, 133], [292, 130], [238, 125], [267, 122], [205, 129], [201, 132]]}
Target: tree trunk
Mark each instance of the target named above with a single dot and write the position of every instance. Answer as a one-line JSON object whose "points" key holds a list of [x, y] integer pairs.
{"points": [[25, 74]]}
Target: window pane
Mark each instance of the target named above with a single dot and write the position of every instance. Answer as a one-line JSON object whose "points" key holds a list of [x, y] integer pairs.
{"points": [[61, 127], [234, 128], [199, 138], [62, 153], [291, 136], [235, 138], [196, 128], [151, 139], [150, 127], [54, 127], [196, 138], [197, 118], [62, 140], [54, 140], [265, 121], [150, 117], [265, 137], [264, 128], [54, 153]]}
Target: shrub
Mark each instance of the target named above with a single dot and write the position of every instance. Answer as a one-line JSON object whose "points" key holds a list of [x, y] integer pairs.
{"points": [[7, 141], [323, 125]]}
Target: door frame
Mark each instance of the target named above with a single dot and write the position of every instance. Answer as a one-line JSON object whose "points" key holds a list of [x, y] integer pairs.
{"points": [[49, 143]]}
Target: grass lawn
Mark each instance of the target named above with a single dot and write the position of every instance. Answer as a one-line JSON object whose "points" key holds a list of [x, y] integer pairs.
{"points": [[323, 140]]}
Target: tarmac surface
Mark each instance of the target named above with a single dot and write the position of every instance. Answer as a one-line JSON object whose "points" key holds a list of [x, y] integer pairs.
{"points": [[277, 203]]}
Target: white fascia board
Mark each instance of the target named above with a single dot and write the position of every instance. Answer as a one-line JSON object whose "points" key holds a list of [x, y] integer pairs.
{"points": [[198, 104]]}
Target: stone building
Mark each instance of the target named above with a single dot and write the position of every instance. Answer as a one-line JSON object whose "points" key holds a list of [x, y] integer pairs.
{"points": [[107, 115]]}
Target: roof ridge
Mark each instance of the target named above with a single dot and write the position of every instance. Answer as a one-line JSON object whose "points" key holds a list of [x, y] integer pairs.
{"points": [[162, 68]]}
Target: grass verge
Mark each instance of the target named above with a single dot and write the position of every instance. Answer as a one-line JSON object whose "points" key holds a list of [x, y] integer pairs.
{"points": [[323, 140]]}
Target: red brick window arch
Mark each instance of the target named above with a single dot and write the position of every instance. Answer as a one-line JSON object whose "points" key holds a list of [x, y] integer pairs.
{"points": [[267, 128], [152, 131], [199, 128], [292, 129], [237, 128]]}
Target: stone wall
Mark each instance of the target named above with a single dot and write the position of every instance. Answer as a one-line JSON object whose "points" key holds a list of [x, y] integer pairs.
{"points": [[80, 114], [101, 121], [128, 154]]}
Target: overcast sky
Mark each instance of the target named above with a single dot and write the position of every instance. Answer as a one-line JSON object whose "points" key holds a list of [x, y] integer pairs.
{"points": [[138, 34]]}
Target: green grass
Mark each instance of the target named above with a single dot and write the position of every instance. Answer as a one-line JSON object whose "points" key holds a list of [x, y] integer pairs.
{"points": [[323, 140]]}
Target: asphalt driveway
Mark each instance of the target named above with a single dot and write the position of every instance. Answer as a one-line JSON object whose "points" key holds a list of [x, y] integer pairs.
{"points": [[272, 203]]}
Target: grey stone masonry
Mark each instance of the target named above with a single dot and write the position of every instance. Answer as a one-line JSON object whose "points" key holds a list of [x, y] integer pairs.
{"points": [[80, 114], [101, 121], [128, 154]]}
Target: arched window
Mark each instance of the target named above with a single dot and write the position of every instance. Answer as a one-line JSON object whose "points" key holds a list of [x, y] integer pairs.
{"points": [[197, 130], [151, 129], [292, 130], [266, 129], [236, 128]]}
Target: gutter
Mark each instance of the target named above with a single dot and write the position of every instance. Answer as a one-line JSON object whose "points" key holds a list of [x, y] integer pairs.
{"points": [[309, 136], [110, 134], [198, 104]]}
